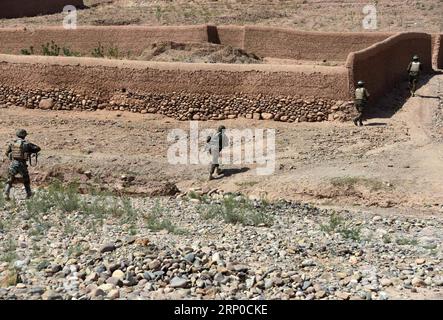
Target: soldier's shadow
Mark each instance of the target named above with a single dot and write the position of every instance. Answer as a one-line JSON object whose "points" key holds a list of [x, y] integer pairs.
{"points": [[232, 171]]}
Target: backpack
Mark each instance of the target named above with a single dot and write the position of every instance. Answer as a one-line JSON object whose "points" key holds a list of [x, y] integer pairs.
{"points": [[17, 150]]}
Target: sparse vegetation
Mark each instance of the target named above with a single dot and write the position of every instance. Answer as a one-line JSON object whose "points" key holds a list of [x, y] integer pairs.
{"points": [[99, 51], [352, 182], [155, 222], [51, 49], [237, 209], [338, 224], [9, 254], [406, 242], [113, 52], [27, 52]]}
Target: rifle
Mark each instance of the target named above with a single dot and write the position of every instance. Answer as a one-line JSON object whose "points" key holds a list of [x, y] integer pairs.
{"points": [[30, 157]]}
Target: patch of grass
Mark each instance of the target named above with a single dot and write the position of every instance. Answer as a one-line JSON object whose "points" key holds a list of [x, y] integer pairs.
{"points": [[75, 250], [99, 51], [352, 182], [387, 238], [237, 209], [406, 242], [9, 254], [154, 221], [337, 224], [113, 52], [56, 195]]}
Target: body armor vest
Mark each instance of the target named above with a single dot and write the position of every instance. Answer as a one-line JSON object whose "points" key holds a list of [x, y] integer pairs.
{"points": [[415, 67], [17, 151], [360, 94]]}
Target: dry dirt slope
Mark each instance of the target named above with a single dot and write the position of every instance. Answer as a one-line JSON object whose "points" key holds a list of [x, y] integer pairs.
{"points": [[311, 15]]}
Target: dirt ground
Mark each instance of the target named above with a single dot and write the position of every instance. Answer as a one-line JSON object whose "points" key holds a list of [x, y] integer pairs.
{"points": [[310, 15], [394, 161]]}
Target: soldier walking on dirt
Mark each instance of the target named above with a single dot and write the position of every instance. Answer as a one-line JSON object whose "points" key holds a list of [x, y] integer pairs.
{"points": [[361, 98], [414, 70], [19, 152], [214, 146]]}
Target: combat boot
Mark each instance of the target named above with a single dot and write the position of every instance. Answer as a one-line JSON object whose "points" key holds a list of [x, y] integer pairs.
{"points": [[6, 192], [28, 191]]}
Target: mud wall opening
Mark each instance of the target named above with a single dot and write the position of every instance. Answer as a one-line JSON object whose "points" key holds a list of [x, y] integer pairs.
{"points": [[30, 8], [384, 64], [439, 54]]}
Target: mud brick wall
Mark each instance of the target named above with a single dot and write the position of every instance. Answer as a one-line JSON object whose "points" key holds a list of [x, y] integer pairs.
{"points": [[264, 41], [231, 35], [292, 44], [383, 65], [179, 90], [127, 39], [30, 8]]}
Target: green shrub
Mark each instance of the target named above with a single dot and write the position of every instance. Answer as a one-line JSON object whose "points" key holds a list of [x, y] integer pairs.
{"points": [[51, 49], [27, 52], [113, 52], [99, 51], [69, 53], [154, 221], [238, 209], [337, 224]]}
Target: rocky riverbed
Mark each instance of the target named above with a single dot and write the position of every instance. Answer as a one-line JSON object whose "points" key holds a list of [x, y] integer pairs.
{"points": [[213, 246]]}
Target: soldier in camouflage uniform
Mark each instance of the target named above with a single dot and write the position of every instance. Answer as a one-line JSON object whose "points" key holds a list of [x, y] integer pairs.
{"points": [[19, 152], [214, 146], [360, 100], [414, 69]]}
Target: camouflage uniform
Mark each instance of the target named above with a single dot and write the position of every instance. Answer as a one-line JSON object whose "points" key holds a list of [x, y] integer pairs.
{"points": [[360, 102], [414, 69], [214, 146], [18, 152]]}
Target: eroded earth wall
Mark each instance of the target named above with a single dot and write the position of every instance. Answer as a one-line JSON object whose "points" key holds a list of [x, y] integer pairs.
{"points": [[319, 46], [383, 65], [30, 8], [263, 41], [128, 40], [179, 90]]}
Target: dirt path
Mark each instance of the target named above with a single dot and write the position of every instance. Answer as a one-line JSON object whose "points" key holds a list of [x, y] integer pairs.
{"points": [[391, 162]]}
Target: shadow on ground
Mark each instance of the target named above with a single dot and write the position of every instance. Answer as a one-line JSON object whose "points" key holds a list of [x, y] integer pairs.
{"points": [[388, 105]]}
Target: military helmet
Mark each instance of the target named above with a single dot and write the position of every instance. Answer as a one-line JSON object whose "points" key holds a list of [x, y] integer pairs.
{"points": [[221, 128], [360, 83], [21, 133], [415, 58]]}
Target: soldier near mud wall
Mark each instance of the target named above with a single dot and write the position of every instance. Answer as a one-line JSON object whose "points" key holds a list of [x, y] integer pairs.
{"points": [[414, 69], [361, 97], [19, 152]]}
